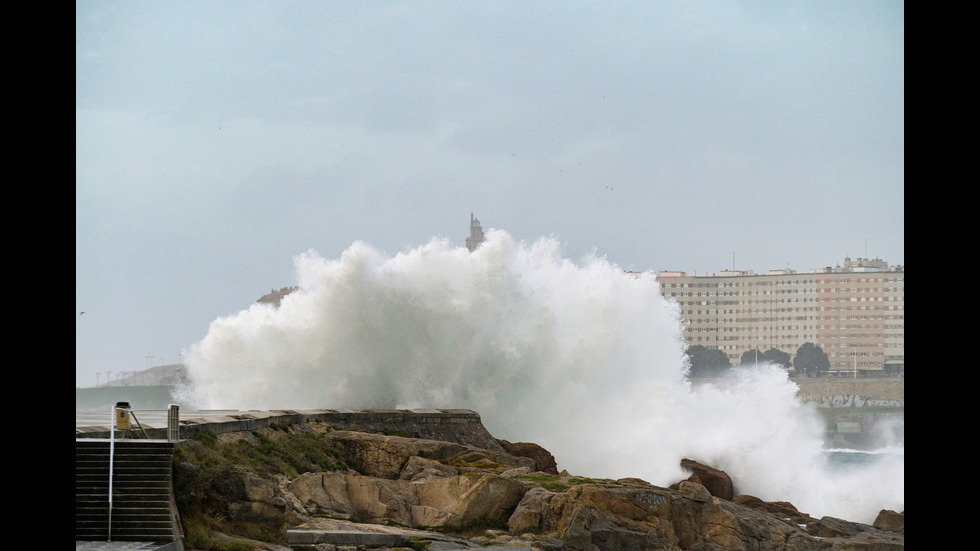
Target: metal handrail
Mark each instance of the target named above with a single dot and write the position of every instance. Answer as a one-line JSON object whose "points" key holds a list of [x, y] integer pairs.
{"points": [[117, 413]]}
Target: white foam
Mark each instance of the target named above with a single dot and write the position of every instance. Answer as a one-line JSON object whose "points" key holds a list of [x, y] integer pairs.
{"points": [[577, 356]]}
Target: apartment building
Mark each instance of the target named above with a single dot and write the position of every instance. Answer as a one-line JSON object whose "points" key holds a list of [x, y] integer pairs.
{"points": [[855, 312]]}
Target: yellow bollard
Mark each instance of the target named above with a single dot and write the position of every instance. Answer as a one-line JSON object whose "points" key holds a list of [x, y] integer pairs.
{"points": [[122, 416]]}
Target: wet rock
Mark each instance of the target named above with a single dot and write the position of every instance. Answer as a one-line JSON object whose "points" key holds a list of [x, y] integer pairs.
{"points": [[890, 521], [718, 483]]}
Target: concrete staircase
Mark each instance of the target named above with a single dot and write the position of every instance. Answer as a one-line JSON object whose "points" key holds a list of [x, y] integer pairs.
{"points": [[143, 505]]}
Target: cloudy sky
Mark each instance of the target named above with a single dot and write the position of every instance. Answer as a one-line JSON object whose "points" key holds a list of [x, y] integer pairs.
{"points": [[217, 140]]}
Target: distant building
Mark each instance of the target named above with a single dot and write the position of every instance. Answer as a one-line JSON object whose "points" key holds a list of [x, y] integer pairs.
{"points": [[476, 234], [854, 312]]}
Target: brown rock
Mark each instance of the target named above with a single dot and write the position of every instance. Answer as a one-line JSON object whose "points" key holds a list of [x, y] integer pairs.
{"points": [[385, 456], [728, 525], [419, 469], [326, 491], [472, 496], [780, 509], [831, 527], [443, 501], [693, 491], [890, 521], [539, 510], [614, 517], [543, 460], [377, 501], [872, 540], [527, 515], [718, 483], [633, 481], [411, 483]]}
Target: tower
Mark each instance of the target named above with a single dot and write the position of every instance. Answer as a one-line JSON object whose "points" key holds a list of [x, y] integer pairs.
{"points": [[476, 234]]}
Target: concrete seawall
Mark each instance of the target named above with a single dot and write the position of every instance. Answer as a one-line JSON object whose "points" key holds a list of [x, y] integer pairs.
{"points": [[450, 425], [853, 392], [842, 392], [860, 413]]}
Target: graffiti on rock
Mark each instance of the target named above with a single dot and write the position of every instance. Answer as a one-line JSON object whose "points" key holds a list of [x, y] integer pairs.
{"points": [[651, 499]]}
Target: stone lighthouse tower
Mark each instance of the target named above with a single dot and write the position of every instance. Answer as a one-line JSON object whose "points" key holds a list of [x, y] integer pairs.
{"points": [[476, 234]]}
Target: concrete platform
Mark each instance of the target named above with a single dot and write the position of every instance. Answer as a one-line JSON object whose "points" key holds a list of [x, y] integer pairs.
{"points": [[97, 421], [125, 546], [452, 425], [94, 421], [345, 537]]}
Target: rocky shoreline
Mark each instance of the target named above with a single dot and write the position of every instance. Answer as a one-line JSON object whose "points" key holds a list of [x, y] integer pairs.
{"points": [[267, 487]]}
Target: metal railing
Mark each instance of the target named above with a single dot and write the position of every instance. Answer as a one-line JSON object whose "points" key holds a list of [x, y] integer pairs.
{"points": [[173, 423], [121, 415]]}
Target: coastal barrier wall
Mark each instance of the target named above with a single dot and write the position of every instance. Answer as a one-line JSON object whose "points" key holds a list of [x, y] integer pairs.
{"points": [[853, 392], [449, 425], [841, 392], [859, 413]]}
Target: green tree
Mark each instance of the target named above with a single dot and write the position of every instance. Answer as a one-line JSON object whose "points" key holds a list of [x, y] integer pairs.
{"points": [[750, 357], [707, 362], [773, 356], [776, 356], [810, 358]]}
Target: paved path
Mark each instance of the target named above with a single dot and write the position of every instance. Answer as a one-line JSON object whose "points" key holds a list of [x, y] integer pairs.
{"points": [[120, 546], [157, 418]]}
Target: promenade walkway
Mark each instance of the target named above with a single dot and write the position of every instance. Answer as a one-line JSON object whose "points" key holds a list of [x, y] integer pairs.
{"points": [[100, 421], [123, 546]]}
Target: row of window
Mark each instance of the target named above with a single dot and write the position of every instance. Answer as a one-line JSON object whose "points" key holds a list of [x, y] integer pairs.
{"points": [[821, 290], [883, 298], [787, 310], [834, 344], [770, 283]]}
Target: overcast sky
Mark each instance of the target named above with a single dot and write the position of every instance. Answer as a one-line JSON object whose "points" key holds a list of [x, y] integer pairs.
{"points": [[218, 140]]}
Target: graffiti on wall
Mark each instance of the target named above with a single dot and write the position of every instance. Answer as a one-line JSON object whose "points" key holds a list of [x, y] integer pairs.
{"points": [[855, 401]]}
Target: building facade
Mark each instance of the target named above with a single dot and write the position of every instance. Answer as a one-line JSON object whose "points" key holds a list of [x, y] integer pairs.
{"points": [[855, 312]]}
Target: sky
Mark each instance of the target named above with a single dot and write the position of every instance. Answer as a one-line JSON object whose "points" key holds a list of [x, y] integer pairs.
{"points": [[216, 141]]}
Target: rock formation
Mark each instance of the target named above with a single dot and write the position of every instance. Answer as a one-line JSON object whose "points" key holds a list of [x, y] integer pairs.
{"points": [[464, 497], [718, 483], [543, 460]]}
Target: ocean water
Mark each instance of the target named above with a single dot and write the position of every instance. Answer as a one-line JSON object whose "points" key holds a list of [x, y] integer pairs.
{"points": [[573, 354], [844, 460]]}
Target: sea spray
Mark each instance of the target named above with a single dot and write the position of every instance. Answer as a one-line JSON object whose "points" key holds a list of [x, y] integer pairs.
{"points": [[581, 357]]}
